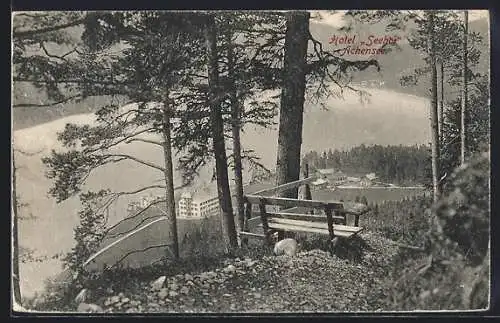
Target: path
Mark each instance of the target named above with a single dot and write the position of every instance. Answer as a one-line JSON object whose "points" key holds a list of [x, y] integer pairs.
{"points": [[312, 281]]}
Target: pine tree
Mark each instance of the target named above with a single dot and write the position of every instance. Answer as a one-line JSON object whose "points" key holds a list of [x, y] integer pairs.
{"points": [[15, 237], [297, 63], [464, 89], [292, 100], [434, 109], [217, 127], [146, 79], [29, 31]]}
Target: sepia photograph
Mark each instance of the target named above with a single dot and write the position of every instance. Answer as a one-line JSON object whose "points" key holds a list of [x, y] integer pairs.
{"points": [[241, 161]]}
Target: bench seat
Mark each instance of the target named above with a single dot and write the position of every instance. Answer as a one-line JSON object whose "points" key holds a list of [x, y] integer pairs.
{"points": [[343, 231]]}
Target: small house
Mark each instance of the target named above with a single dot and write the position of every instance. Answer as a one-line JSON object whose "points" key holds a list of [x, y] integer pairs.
{"points": [[320, 183], [332, 176], [368, 179], [324, 172]]}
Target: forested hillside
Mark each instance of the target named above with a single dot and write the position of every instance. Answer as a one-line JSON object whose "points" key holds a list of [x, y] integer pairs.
{"points": [[392, 164]]}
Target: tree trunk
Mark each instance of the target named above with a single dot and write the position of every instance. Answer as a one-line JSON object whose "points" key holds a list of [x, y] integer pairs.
{"points": [[15, 246], [434, 111], [169, 178], [218, 134], [292, 101], [464, 89], [236, 125], [441, 107]]}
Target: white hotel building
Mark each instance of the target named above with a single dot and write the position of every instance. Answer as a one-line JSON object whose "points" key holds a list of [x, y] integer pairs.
{"points": [[201, 204]]}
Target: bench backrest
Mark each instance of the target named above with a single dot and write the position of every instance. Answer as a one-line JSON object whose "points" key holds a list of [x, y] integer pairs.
{"points": [[290, 203]]}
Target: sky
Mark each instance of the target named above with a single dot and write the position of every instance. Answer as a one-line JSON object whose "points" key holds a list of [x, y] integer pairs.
{"points": [[334, 18]]}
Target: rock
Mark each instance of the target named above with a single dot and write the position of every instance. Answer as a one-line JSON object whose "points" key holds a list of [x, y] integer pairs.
{"points": [[163, 293], [287, 247], [114, 299], [184, 290], [230, 269], [121, 295], [173, 293], [425, 294], [257, 295], [250, 263], [188, 277], [89, 308], [158, 284], [125, 300], [173, 286], [82, 296]]}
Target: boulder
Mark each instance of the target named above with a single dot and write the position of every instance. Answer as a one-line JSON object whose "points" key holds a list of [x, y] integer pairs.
{"points": [[287, 247]]}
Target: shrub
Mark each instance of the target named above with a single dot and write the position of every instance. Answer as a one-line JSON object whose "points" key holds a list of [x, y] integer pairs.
{"points": [[463, 215], [452, 273], [406, 221]]}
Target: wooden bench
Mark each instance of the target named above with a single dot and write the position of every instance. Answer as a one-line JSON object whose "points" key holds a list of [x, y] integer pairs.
{"points": [[299, 214]]}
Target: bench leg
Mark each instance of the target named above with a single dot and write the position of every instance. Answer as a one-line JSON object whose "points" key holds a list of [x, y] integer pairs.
{"points": [[333, 244], [265, 226], [248, 215], [281, 235]]}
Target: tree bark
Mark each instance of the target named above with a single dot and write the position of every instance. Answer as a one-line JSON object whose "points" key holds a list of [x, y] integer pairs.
{"points": [[15, 243], [464, 90], [434, 111], [292, 101], [217, 126], [236, 126], [169, 178]]}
